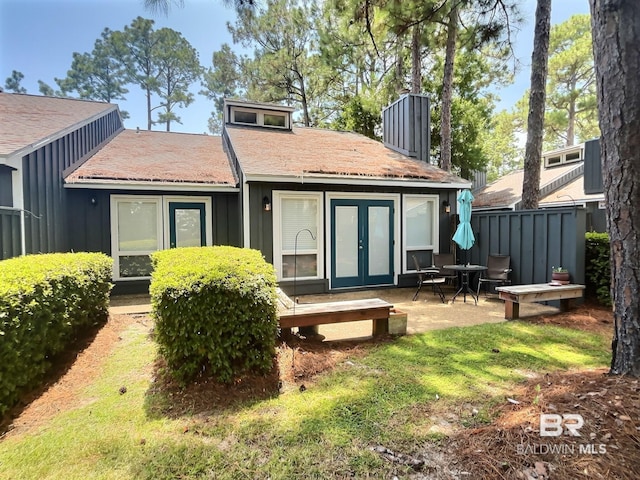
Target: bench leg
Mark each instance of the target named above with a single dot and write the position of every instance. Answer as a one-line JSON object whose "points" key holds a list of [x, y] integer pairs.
{"points": [[380, 326], [511, 310], [564, 304]]}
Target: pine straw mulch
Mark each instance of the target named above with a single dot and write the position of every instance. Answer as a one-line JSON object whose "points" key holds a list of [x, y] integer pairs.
{"points": [[509, 447]]}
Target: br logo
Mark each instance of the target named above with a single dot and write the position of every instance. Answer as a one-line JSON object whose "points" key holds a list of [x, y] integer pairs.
{"points": [[554, 425]]}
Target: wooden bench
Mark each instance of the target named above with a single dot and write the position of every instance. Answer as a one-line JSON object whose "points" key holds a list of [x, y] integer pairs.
{"points": [[514, 295], [311, 314]]}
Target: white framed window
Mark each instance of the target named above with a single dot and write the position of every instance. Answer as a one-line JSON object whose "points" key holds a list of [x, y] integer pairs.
{"points": [[271, 119], [566, 155], [297, 235], [141, 225], [136, 232], [421, 232]]}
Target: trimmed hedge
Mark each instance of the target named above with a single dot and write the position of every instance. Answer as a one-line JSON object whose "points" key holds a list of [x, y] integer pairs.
{"points": [[598, 267], [215, 311], [44, 300]]}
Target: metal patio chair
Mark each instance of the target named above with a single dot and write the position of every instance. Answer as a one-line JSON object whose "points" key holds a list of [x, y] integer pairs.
{"points": [[428, 276], [498, 272], [440, 259]]}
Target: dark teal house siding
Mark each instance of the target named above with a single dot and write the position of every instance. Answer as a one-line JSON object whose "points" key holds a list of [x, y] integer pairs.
{"points": [[592, 167], [45, 197], [10, 245], [6, 188]]}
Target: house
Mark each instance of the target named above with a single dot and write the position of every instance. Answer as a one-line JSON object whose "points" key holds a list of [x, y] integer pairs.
{"points": [[329, 209], [569, 177]]}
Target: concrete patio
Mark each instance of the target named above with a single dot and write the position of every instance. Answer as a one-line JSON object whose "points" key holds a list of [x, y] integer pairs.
{"points": [[426, 313]]}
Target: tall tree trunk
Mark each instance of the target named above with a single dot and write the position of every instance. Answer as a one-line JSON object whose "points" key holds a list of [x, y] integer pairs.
{"points": [[571, 127], [537, 98], [616, 36], [149, 122], [416, 60], [447, 89]]}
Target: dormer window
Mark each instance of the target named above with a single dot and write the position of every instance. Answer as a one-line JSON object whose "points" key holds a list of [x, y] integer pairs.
{"points": [[564, 156], [240, 112], [241, 116]]}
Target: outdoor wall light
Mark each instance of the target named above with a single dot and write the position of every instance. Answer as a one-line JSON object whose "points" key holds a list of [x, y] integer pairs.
{"points": [[446, 206], [266, 204]]}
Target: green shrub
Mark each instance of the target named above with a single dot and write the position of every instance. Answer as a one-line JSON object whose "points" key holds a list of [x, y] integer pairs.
{"points": [[598, 268], [44, 300], [215, 311]]}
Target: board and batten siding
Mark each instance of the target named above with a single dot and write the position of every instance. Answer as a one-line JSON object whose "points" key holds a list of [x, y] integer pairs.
{"points": [[536, 240], [10, 244], [406, 126], [45, 198], [592, 167]]}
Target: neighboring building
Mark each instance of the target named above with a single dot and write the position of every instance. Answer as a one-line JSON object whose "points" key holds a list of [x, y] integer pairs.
{"points": [[569, 176], [329, 209]]}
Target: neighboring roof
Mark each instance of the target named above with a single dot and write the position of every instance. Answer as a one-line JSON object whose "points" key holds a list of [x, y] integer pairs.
{"points": [[157, 157], [506, 191], [313, 154], [570, 194], [28, 121]]}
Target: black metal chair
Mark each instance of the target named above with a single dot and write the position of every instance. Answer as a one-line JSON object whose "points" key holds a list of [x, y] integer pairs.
{"points": [[428, 276], [497, 273], [440, 259]]}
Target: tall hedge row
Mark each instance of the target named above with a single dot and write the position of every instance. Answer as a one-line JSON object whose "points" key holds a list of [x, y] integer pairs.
{"points": [[44, 299], [215, 311], [598, 267]]}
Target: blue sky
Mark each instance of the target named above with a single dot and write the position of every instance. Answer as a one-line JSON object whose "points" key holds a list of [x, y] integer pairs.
{"points": [[38, 38]]}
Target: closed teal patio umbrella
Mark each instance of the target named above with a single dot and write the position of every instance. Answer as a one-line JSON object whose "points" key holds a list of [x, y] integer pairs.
{"points": [[464, 234]]}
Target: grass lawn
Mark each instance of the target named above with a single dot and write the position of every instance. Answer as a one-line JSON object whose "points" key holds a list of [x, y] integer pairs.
{"points": [[404, 395]]}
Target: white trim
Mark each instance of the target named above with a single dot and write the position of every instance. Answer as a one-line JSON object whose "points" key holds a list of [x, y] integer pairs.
{"points": [[352, 180], [246, 220], [191, 199], [162, 202], [277, 197], [259, 117], [115, 251], [395, 197], [153, 186], [435, 229]]}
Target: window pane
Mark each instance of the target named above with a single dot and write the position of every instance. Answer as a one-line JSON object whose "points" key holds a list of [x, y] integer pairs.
{"points": [[419, 218], [274, 120], [245, 117], [298, 214], [299, 266], [188, 228], [137, 226], [379, 241], [347, 242], [135, 266]]}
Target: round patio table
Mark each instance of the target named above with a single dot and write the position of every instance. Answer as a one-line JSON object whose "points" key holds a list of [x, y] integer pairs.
{"points": [[464, 271]]}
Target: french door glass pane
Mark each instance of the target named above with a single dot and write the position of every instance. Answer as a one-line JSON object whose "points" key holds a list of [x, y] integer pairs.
{"points": [[137, 226], [188, 227], [346, 218], [379, 241]]}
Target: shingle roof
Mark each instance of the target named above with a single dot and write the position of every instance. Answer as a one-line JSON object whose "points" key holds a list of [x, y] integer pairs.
{"points": [[157, 157], [507, 190], [572, 192], [27, 120], [314, 152]]}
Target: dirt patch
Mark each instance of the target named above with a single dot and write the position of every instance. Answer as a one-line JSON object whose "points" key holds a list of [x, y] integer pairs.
{"points": [[70, 373]]}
